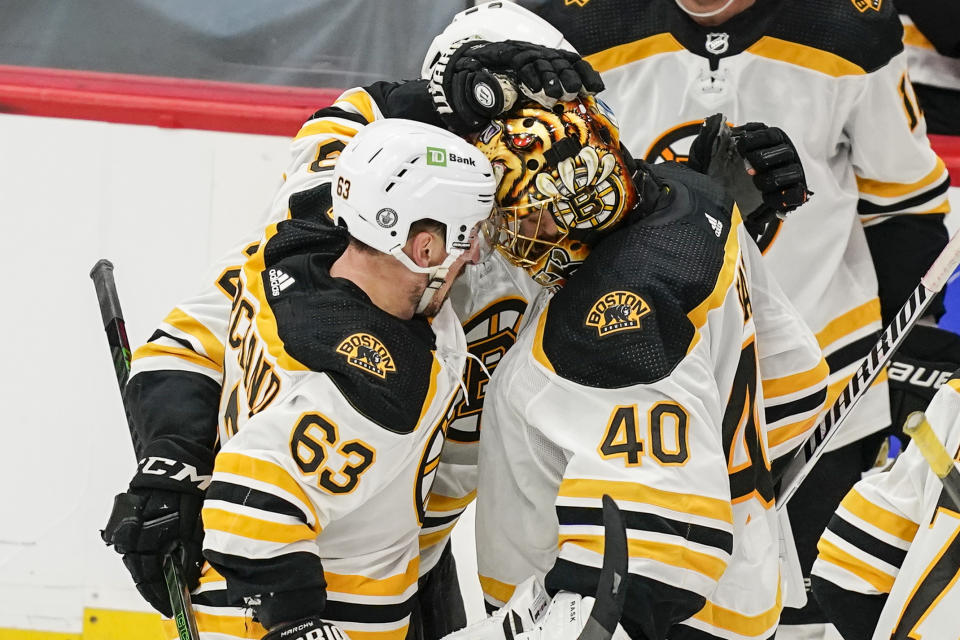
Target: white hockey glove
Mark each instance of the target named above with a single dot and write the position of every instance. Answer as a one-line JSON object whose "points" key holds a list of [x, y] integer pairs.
{"points": [[521, 614], [532, 615]]}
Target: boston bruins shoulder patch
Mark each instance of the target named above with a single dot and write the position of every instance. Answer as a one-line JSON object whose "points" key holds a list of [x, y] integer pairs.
{"points": [[364, 351], [617, 311]]}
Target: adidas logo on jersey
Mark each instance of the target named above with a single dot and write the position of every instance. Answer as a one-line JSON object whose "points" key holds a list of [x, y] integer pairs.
{"points": [[716, 224], [279, 281]]}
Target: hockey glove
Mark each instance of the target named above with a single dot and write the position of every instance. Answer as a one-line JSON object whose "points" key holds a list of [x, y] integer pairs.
{"points": [[477, 80], [530, 614], [757, 164], [148, 522], [312, 628], [925, 361]]}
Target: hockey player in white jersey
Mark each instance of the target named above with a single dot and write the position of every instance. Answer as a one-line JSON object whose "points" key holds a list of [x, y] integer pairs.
{"points": [[654, 375], [890, 556], [337, 390], [184, 359], [833, 75]]}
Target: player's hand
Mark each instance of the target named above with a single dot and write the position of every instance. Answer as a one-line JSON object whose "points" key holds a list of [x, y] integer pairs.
{"points": [[312, 628], [774, 165], [925, 361], [145, 525], [479, 80], [757, 165]]}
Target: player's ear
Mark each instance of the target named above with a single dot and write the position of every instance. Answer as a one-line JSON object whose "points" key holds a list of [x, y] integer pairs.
{"points": [[425, 248]]}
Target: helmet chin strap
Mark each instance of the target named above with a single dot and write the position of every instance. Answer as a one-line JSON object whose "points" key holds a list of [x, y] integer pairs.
{"points": [[437, 275], [705, 14]]}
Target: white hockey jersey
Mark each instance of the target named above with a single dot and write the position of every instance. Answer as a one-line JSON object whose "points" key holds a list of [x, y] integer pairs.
{"points": [[332, 420], [490, 300], [897, 533], [834, 77], [645, 378]]}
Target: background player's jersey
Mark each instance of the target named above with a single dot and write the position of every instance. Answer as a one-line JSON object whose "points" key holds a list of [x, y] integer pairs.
{"points": [[332, 420], [184, 357], [644, 378], [832, 74], [898, 533]]}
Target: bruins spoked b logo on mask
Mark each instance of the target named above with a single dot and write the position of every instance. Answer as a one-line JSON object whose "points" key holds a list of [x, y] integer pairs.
{"points": [[617, 311], [366, 352]]}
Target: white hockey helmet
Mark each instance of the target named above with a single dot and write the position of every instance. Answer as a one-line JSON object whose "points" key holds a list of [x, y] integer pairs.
{"points": [[494, 22], [395, 172]]}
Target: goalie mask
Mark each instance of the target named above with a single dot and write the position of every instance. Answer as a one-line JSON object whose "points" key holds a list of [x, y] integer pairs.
{"points": [[563, 183]]}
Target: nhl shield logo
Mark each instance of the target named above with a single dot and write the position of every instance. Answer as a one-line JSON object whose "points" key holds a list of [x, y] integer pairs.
{"points": [[617, 311], [717, 43], [365, 352], [863, 5]]}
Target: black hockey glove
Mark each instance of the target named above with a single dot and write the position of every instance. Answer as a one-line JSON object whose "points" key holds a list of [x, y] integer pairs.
{"points": [[478, 80], [157, 516], [778, 185], [312, 628], [925, 361]]}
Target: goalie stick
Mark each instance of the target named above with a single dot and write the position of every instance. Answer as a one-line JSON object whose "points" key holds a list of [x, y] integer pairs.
{"points": [[937, 456], [114, 326], [612, 586], [813, 448]]}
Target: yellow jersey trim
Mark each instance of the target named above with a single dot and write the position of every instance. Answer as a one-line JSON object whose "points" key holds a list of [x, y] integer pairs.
{"points": [[624, 54], [672, 554], [846, 323], [913, 38], [437, 502], [775, 387], [327, 128], [242, 465], [255, 528], [362, 585], [833, 554], [895, 525], [495, 589], [741, 623], [635, 492], [897, 189], [802, 55], [190, 325], [731, 251], [153, 350], [360, 100]]}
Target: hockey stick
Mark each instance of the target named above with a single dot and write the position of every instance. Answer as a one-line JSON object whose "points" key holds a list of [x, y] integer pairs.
{"points": [[114, 326], [939, 459], [930, 284], [611, 587]]}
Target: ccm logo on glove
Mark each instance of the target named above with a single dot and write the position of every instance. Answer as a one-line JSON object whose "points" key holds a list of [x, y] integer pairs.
{"points": [[155, 465]]}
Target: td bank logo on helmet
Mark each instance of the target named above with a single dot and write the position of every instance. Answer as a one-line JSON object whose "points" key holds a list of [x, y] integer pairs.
{"points": [[439, 158]]}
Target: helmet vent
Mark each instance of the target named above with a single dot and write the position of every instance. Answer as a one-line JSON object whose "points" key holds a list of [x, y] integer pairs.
{"points": [[389, 186], [402, 171], [375, 155]]}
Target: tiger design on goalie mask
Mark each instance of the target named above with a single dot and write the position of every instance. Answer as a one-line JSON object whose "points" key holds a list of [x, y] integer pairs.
{"points": [[566, 162]]}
